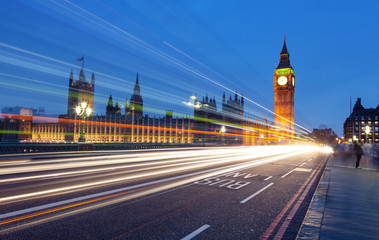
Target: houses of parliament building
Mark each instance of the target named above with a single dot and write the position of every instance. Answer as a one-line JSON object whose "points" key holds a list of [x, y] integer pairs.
{"points": [[230, 125], [131, 126]]}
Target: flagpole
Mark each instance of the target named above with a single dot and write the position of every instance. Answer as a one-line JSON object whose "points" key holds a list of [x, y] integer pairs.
{"points": [[83, 62]]}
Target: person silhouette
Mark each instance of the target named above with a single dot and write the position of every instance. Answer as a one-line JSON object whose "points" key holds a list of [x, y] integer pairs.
{"points": [[358, 152]]}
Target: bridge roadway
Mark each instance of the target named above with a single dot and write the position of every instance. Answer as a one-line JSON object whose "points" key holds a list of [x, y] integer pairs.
{"points": [[204, 193]]}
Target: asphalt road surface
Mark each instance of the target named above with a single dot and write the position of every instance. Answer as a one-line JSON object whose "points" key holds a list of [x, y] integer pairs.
{"points": [[257, 192]]}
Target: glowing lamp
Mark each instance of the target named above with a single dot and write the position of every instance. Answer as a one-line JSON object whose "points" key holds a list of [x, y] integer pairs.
{"points": [[78, 109]]}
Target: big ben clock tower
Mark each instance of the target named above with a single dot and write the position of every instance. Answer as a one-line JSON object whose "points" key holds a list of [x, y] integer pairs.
{"points": [[284, 88]]}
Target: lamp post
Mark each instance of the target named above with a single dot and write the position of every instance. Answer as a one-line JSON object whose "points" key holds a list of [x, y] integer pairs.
{"points": [[82, 110], [223, 130], [367, 131]]}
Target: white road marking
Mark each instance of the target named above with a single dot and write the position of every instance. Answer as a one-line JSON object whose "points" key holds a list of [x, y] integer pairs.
{"points": [[303, 169], [310, 160], [196, 232], [287, 173], [267, 178], [302, 164], [255, 194]]}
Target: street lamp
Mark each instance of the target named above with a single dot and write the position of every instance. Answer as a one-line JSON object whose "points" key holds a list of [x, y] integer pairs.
{"points": [[367, 131], [223, 130], [82, 110]]}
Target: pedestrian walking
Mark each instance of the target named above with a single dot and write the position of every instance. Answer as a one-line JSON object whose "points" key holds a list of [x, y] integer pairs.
{"points": [[358, 152]]}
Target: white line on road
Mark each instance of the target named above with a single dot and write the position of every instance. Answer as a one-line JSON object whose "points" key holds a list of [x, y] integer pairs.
{"points": [[310, 160], [196, 232], [255, 194], [267, 178], [285, 175], [302, 164]]}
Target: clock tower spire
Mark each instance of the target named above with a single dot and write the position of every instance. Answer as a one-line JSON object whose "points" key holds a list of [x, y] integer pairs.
{"points": [[284, 89]]}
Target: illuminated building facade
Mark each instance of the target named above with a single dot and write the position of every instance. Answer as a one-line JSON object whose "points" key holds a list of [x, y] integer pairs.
{"points": [[359, 120], [228, 126], [113, 127], [284, 89], [134, 127]]}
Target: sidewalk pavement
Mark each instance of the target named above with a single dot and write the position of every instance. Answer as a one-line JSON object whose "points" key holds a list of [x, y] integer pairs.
{"points": [[346, 202]]}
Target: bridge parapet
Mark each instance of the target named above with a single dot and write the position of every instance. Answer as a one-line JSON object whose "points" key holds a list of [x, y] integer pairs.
{"points": [[11, 148]]}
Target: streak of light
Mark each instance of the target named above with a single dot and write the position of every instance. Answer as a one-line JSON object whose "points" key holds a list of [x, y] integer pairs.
{"points": [[111, 27], [300, 149], [60, 174], [187, 178], [259, 151]]}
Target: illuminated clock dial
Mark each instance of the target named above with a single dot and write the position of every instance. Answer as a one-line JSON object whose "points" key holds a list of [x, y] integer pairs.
{"points": [[282, 80], [293, 81]]}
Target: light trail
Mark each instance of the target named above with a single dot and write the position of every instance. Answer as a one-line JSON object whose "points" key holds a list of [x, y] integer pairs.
{"points": [[241, 155], [144, 45], [186, 178], [60, 174], [255, 152]]}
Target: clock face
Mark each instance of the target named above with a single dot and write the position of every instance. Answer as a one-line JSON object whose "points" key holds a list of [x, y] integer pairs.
{"points": [[293, 81], [282, 80]]}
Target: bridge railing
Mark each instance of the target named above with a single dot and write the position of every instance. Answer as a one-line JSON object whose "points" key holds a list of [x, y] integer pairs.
{"points": [[11, 148]]}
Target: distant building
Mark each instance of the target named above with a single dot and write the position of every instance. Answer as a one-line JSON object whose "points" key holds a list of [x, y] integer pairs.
{"points": [[355, 125], [17, 110], [324, 136], [229, 125], [16, 123]]}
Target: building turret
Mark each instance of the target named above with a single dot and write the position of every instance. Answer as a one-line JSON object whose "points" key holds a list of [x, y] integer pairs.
{"points": [[110, 108], [93, 79], [136, 101], [223, 98], [284, 61], [126, 106], [71, 81], [117, 109], [137, 89], [82, 77]]}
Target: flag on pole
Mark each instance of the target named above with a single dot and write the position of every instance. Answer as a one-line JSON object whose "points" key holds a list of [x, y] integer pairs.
{"points": [[80, 59]]}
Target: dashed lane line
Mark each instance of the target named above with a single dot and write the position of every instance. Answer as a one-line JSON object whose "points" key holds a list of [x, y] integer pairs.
{"points": [[196, 232], [255, 194], [267, 178]]}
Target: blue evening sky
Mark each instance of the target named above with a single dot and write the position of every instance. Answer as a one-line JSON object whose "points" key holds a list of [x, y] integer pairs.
{"points": [[182, 48]]}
